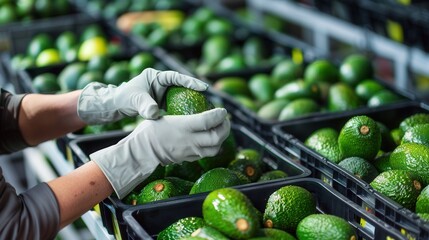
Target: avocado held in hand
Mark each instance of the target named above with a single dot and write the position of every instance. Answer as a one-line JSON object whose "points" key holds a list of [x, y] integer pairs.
{"points": [[185, 101]]}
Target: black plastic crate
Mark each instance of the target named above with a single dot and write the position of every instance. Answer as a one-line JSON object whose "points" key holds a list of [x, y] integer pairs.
{"points": [[306, 3], [423, 4], [145, 222], [393, 22], [421, 30], [414, 15], [21, 37], [244, 138], [346, 10], [290, 137]]}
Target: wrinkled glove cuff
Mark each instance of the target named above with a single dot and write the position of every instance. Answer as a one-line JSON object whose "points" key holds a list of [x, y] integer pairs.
{"points": [[123, 170], [96, 104]]}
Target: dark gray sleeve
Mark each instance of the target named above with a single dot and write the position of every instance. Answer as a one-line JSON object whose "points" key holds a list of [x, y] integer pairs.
{"points": [[31, 215], [11, 139]]}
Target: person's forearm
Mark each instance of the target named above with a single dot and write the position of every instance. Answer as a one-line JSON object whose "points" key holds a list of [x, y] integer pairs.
{"points": [[45, 117], [89, 187]]}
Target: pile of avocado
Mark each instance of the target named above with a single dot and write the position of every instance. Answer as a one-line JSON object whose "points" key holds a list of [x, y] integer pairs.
{"points": [[223, 54], [395, 162], [46, 49], [246, 166], [290, 91], [207, 43], [27, 10], [290, 213], [230, 167], [100, 68], [197, 26]]}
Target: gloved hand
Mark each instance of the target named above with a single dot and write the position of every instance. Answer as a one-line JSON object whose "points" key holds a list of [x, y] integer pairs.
{"points": [[99, 103], [169, 139]]}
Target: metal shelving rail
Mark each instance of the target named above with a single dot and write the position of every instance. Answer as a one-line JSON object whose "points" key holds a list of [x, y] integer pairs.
{"points": [[324, 27], [35, 158]]}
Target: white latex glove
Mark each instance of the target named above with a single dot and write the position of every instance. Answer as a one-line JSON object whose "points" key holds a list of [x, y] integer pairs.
{"points": [[99, 103], [169, 139]]}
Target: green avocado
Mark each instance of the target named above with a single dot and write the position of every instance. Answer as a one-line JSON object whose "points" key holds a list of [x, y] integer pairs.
{"points": [[215, 48], [417, 134], [286, 71], [233, 86], [360, 137], [275, 234], [412, 157], [382, 163], [261, 87], [422, 204], [383, 97], [182, 228], [185, 101], [356, 68], [189, 171], [298, 89], [359, 167], [69, 76], [342, 97], [209, 233], [214, 179], [321, 71], [250, 169], [413, 120], [271, 110], [182, 186], [231, 212], [325, 226], [157, 190], [299, 108], [325, 142], [287, 206], [272, 175], [399, 185]]}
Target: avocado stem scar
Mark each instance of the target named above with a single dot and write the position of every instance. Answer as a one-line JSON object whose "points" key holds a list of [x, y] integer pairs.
{"points": [[364, 130], [269, 223], [158, 187], [250, 171], [417, 185], [242, 224]]}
